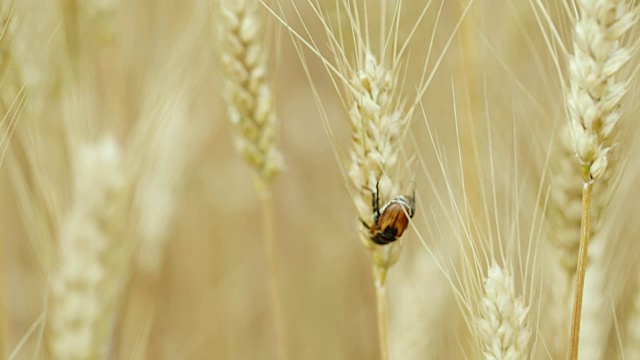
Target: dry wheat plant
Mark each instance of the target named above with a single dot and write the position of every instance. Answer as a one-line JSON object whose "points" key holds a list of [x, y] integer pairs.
{"points": [[319, 179]]}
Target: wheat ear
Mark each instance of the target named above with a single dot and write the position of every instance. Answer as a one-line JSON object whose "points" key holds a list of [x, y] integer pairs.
{"points": [[563, 216], [377, 128], [377, 125], [562, 231], [564, 209], [249, 95], [251, 109], [593, 100], [502, 321], [371, 96], [85, 284]]}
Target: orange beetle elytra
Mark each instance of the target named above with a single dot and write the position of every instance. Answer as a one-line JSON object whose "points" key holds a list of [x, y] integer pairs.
{"points": [[391, 221]]}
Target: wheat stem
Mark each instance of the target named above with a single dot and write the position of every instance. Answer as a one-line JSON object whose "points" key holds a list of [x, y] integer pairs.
{"points": [[268, 223], [381, 300], [251, 110], [582, 267], [631, 347], [594, 96]]}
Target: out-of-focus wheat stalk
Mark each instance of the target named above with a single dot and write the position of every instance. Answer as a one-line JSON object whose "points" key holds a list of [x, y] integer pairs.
{"points": [[9, 70], [162, 147], [90, 265], [632, 342], [596, 317], [26, 81], [7, 98], [562, 231], [593, 100], [251, 110], [161, 152]]}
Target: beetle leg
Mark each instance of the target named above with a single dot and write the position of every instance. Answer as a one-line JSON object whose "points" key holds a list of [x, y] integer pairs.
{"points": [[376, 200], [413, 201], [375, 203]]}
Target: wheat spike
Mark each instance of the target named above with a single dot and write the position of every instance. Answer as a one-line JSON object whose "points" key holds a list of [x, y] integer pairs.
{"points": [[249, 95], [502, 321], [85, 284], [593, 105], [594, 94], [564, 209], [377, 125]]}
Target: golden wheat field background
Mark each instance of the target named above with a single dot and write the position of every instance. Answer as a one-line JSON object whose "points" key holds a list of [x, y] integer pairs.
{"points": [[188, 179]]}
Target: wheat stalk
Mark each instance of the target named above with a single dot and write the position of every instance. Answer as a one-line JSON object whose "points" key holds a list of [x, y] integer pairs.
{"points": [[411, 330], [251, 110], [163, 145], [593, 101], [85, 284], [377, 125], [596, 318], [371, 96], [27, 74], [8, 99], [632, 342]]}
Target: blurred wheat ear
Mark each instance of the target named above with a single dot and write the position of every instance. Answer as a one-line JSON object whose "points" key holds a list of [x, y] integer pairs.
{"points": [[90, 268], [562, 231], [249, 95], [251, 110]]}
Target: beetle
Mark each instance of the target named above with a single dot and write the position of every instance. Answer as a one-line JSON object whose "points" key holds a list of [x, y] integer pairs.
{"points": [[390, 222]]}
